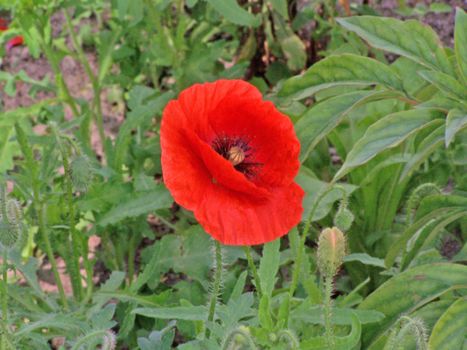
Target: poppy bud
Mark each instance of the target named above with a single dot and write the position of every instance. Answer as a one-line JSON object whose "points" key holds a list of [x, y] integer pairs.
{"points": [[11, 227], [331, 251], [81, 173], [343, 219]]}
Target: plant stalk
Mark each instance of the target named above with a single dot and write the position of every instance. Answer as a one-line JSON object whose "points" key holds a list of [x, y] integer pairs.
{"points": [[216, 284], [254, 271]]}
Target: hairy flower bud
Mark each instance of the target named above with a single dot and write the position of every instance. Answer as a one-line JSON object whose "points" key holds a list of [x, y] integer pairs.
{"points": [[81, 173], [331, 251], [11, 226], [343, 219]]}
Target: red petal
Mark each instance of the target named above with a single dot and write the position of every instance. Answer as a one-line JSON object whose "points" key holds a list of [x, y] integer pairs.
{"points": [[17, 40], [237, 221]]}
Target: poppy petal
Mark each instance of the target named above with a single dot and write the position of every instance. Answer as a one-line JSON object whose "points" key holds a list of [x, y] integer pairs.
{"points": [[238, 221]]}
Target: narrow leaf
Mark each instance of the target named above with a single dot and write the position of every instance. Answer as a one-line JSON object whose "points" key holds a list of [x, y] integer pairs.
{"points": [[450, 330], [341, 70], [455, 121], [409, 291], [322, 118], [188, 313], [386, 133], [269, 265], [410, 38], [234, 13], [365, 259], [140, 205], [445, 83], [460, 41]]}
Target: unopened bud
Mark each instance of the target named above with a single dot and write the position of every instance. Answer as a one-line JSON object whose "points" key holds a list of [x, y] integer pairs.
{"points": [[82, 173], [11, 225], [343, 219], [331, 251]]}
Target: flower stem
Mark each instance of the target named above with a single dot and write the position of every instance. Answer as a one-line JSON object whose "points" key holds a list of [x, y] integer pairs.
{"points": [[254, 271], [217, 282], [5, 289], [38, 206], [328, 287]]}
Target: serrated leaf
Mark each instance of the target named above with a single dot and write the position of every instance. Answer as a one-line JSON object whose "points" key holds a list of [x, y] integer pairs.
{"points": [[341, 70], [323, 117], [269, 265], [460, 41], [365, 259], [386, 133], [409, 291], [141, 204], [188, 313], [455, 121], [410, 38], [451, 329], [232, 12], [347, 342], [445, 83]]}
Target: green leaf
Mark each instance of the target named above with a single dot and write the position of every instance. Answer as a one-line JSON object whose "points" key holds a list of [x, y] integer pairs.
{"points": [[386, 133], [429, 144], [347, 342], [314, 188], [409, 291], [313, 314], [269, 265], [445, 83], [455, 121], [141, 204], [323, 117], [294, 51], [234, 13], [442, 210], [460, 42], [281, 7], [365, 259], [409, 38], [341, 70], [188, 313], [451, 329], [192, 258]]}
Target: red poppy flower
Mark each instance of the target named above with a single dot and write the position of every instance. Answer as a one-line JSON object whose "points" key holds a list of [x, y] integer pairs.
{"points": [[231, 158]]}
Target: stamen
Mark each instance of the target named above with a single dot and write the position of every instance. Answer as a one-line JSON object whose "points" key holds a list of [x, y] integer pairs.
{"points": [[238, 152]]}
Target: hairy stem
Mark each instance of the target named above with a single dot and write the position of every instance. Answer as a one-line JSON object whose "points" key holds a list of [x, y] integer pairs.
{"points": [[4, 290], [329, 332], [216, 283], [39, 208], [254, 271]]}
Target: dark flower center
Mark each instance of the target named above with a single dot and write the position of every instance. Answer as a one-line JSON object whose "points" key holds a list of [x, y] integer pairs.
{"points": [[238, 152]]}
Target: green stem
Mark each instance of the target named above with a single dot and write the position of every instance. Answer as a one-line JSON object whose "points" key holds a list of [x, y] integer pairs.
{"points": [[5, 290], [328, 287], [39, 209], [216, 284], [75, 243], [133, 244], [306, 230], [254, 271], [97, 108], [50, 254]]}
